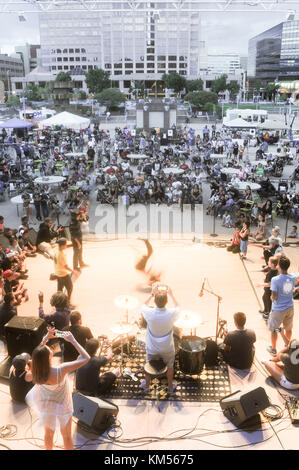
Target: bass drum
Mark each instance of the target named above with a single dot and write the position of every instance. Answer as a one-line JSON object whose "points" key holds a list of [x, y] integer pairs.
{"points": [[192, 355]]}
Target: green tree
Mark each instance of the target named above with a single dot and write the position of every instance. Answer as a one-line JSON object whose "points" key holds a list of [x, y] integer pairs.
{"points": [[111, 97], [258, 86], [233, 87], [138, 85], [220, 84], [194, 85], [62, 77], [271, 90], [12, 100], [174, 81], [201, 98], [32, 92], [97, 80]]}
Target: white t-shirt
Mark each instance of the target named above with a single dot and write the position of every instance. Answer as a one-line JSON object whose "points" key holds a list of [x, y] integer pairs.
{"points": [[159, 334]]}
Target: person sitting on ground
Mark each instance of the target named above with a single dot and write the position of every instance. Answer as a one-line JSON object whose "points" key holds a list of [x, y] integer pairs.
{"points": [[293, 233], [237, 348], [20, 377], [81, 333], [61, 317], [88, 378], [234, 247], [159, 333], [282, 312], [284, 368], [46, 236], [7, 311], [261, 231], [26, 245], [12, 285], [272, 263]]}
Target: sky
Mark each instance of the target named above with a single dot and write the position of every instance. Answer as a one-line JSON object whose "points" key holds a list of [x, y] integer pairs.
{"points": [[223, 32]]}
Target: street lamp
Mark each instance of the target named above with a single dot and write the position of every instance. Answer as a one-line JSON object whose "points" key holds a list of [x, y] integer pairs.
{"points": [[23, 101]]}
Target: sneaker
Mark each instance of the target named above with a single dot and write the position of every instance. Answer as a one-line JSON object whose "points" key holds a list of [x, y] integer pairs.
{"points": [[266, 316], [262, 311], [144, 387], [174, 386], [84, 265], [271, 350]]}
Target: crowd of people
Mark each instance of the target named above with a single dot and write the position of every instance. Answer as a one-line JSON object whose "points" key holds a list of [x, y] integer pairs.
{"points": [[161, 173]]}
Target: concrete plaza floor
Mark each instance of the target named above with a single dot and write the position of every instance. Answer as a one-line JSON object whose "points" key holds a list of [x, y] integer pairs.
{"points": [[184, 265]]}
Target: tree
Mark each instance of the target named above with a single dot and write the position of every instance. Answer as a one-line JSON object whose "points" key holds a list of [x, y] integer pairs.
{"points": [[233, 88], [62, 77], [271, 90], [97, 80], [12, 100], [138, 85], [110, 97], [32, 92], [219, 84], [194, 85], [174, 81], [201, 98]]}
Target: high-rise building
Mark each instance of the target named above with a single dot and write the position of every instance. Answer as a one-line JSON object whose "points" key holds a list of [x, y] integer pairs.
{"points": [[228, 64], [129, 44], [274, 54], [10, 66], [29, 53]]}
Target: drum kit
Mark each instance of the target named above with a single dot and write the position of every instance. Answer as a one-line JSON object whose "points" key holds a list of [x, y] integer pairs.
{"points": [[191, 348]]}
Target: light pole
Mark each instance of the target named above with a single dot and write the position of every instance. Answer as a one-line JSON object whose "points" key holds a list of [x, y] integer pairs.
{"points": [[23, 101], [8, 81]]}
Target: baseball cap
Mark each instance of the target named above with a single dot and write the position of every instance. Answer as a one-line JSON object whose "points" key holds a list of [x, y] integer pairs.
{"points": [[62, 241], [20, 361], [8, 273]]}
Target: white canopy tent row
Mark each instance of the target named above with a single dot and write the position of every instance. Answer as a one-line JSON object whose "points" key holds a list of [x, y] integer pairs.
{"points": [[68, 120], [240, 123]]}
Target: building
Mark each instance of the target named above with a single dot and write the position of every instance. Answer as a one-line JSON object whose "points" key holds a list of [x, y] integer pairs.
{"points": [[274, 54], [29, 53], [129, 44], [10, 66], [39, 76], [228, 64]]}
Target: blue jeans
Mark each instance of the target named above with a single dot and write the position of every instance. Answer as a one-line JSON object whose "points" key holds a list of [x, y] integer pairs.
{"points": [[243, 246]]}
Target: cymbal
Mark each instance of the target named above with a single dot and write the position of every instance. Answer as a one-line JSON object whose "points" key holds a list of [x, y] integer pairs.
{"points": [[188, 319], [127, 302], [121, 328]]}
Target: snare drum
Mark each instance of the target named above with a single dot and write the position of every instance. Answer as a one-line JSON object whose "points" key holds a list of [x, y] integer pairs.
{"points": [[140, 339]]}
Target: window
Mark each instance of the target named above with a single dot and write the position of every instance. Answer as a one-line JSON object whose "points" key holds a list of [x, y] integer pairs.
{"points": [[161, 57], [139, 66], [83, 51], [84, 67], [58, 51], [151, 57], [83, 59], [53, 67], [19, 85], [107, 66], [59, 67], [59, 59], [172, 57], [72, 59], [66, 67], [128, 66], [71, 51], [90, 67], [172, 66], [77, 59], [77, 51], [65, 59], [65, 51]]}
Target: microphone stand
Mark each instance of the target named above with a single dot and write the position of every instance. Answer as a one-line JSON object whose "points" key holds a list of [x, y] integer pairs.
{"points": [[218, 308]]}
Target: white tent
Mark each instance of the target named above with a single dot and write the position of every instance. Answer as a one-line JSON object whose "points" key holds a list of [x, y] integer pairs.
{"points": [[273, 125], [241, 123], [68, 120]]}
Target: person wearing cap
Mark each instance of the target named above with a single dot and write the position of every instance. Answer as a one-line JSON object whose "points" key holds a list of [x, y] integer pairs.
{"points": [[62, 269], [7, 311], [20, 377], [11, 285]]}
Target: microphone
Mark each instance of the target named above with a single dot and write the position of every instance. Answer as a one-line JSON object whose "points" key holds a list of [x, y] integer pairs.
{"points": [[202, 288]]}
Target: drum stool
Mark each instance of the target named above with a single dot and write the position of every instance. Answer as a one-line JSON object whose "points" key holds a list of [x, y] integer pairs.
{"points": [[155, 371]]}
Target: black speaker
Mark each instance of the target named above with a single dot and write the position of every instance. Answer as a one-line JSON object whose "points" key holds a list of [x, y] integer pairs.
{"points": [[23, 334], [240, 406], [32, 236], [95, 412]]}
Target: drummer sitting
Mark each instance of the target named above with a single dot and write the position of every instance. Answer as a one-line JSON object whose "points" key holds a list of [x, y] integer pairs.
{"points": [[159, 333], [237, 348]]}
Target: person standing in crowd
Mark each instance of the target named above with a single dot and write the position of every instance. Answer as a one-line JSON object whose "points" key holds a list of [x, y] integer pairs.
{"points": [[62, 269], [61, 317], [51, 395], [76, 237], [244, 234], [272, 263], [37, 203], [282, 287], [81, 333], [46, 236]]}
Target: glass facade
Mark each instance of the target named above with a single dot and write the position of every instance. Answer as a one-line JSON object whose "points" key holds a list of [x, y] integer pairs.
{"points": [[127, 42], [274, 54]]}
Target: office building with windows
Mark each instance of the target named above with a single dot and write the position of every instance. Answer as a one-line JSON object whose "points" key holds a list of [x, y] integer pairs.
{"points": [[228, 64], [274, 54], [131, 44]]}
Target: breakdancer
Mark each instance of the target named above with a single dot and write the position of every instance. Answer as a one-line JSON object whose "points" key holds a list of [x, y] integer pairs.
{"points": [[141, 265]]}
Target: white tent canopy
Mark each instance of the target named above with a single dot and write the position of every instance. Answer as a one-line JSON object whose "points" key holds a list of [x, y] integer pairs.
{"points": [[68, 120], [274, 125], [240, 123]]}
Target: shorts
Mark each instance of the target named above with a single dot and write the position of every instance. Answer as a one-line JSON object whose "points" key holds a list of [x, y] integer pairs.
{"points": [[288, 385], [278, 317], [243, 246], [168, 357]]}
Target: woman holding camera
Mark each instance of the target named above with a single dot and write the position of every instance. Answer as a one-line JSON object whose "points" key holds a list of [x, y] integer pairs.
{"points": [[52, 395]]}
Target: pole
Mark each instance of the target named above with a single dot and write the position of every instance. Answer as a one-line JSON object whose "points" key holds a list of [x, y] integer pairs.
{"points": [[214, 234]]}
